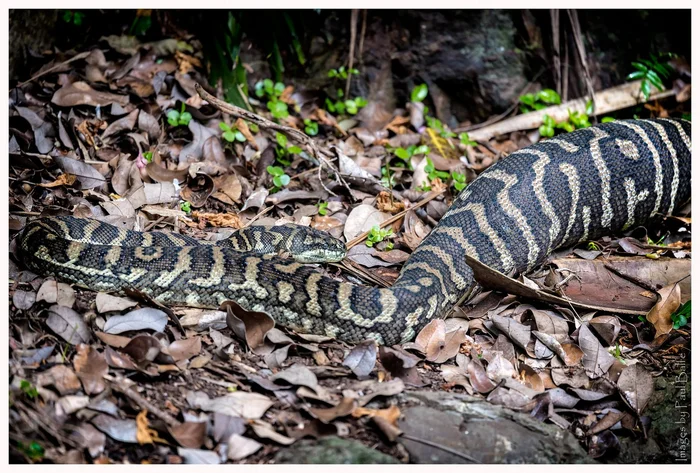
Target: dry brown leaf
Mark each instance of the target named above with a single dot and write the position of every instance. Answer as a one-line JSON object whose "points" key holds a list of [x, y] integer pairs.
{"points": [[248, 325], [90, 366], [660, 314]]}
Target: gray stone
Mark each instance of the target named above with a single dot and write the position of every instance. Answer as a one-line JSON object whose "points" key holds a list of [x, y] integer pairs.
{"points": [[456, 428], [331, 450]]}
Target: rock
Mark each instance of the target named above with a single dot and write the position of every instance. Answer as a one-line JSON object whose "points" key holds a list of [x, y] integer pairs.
{"points": [[331, 450], [473, 430]]}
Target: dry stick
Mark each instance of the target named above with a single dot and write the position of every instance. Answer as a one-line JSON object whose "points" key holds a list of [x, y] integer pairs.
{"points": [[258, 215], [82, 55], [142, 402], [439, 446], [554, 16], [360, 238], [362, 34], [578, 41], [296, 135], [353, 38], [606, 101]]}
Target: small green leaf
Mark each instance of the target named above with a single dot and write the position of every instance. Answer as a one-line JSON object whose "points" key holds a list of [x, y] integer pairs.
{"points": [[635, 75], [173, 117], [279, 88], [294, 149], [419, 93], [607, 120], [185, 206], [275, 170], [549, 96], [185, 118], [224, 126], [281, 139], [402, 153], [229, 136]]}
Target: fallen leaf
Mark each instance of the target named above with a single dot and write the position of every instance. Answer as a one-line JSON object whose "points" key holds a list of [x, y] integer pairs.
{"points": [[193, 456], [189, 434], [139, 319], [108, 303], [636, 386], [596, 358], [660, 314], [88, 176], [361, 219], [68, 324], [344, 408], [237, 404], [61, 377], [118, 429], [185, 349], [56, 293], [240, 447], [91, 367], [362, 358], [250, 326], [80, 93]]}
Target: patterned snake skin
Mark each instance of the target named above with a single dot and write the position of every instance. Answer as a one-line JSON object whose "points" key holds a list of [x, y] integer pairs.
{"points": [[561, 191]]}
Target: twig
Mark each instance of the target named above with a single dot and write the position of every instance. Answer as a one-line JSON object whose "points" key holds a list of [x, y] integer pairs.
{"points": [[444, 448], [361, 237], [581, 49], [353, 38], [556, 48], [141, 401], [362, 34], [82, 55], [258, 215], [606, 101], [296, 135]]}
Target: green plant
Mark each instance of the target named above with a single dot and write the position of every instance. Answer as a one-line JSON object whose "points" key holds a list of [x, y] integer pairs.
{"points": [[310, 127], [29, 389], [342, 73], [142, 23], [176, 118], [681, 316], [433, 174], [607, 120], [284, 150], [377, 234], [465, 140], [651, 71], [148, 156], [186, 206], [574, 121], [436, 125], [351, 106], [387, 179], [538, 101], [419, 93], [34, 451], [231, 133], [74, 17], [273, 91], [593, 246], [459, 180], [279, 178], [322, 208], [405, 154]]}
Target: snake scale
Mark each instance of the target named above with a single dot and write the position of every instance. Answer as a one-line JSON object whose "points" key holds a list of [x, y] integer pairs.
{"points": [[556, 193]]}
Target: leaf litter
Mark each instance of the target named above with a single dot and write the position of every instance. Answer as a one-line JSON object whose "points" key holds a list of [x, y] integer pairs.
{"points": [[237, 387]]}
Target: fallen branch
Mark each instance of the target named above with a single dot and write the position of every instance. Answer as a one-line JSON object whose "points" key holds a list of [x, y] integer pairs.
{"points": [[606, 101], [296, 135]]}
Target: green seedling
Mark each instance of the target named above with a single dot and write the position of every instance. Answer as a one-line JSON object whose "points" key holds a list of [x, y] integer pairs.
{"points": [[176, 118], [377, 234]]}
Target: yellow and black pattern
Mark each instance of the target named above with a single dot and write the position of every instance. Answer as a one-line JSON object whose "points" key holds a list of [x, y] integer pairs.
{"points": [[579, 186]]}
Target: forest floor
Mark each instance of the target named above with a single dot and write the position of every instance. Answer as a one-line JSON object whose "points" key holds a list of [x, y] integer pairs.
{"points": [[122, 135]]}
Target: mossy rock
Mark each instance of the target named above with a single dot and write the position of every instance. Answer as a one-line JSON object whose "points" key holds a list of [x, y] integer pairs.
{"points": [[331, 450]]}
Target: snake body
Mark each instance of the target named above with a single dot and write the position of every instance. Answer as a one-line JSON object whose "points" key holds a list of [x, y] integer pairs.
{"points": [[556, 193]]}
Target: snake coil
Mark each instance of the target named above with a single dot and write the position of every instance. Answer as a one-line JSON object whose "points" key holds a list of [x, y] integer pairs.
{"points": [[556, 193]]}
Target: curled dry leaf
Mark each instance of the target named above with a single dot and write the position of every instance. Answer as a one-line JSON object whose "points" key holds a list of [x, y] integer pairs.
{"points": [[80, 93], [55, 292], [596, 358], [478, 377], [607, 326], [23, 300], [265, 431], [91, 366], [297, 375], [88, 176], [142, 348], [344, 408], [430, 340], [68, 324], [194, 456], [660, 314], [118, 429], [400, 364], [139, 319], [248, 325], [362, 358]]}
